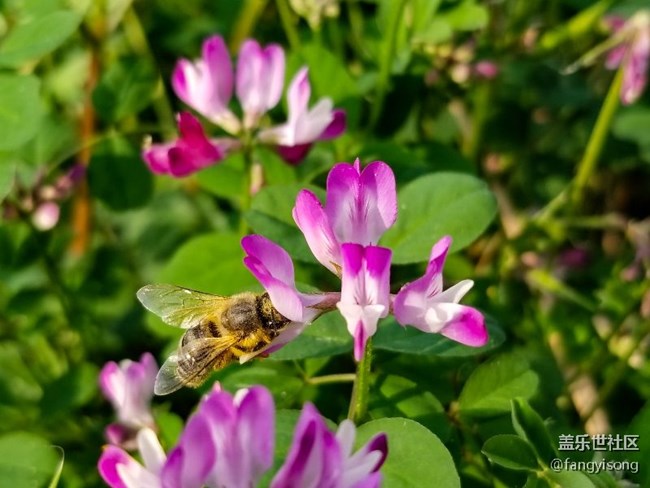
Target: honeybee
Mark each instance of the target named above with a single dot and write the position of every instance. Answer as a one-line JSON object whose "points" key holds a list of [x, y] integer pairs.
{"points": [[219, 330]]}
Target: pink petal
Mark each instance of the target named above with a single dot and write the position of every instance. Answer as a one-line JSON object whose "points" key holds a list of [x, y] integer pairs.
{"points": [[294, 154], [361, 206], [273, 268], [336, 127], [312, 220], [107, 466], [218, 64], [467, 327], [256, 431]]}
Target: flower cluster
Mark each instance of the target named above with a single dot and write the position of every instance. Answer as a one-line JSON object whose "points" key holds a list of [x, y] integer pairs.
{"points": [[229, 441], [42, 200], [343, 235], [207, 85], [631, 40]]}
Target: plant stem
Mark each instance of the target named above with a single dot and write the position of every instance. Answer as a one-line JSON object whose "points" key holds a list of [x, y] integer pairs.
{"points": [[386, 62], [250, 14], [332, 378], [138, 41], [598, 137], [360, 389], [246, 189], [287, 24]]}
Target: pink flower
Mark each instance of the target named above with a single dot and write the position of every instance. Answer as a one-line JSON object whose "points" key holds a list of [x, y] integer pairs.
{"points": [[243, 432], [206, 84], [632, 50], [229, 442], [260, 79], [361, 206], [119, 470], [191, 152], [273, 268], [320, 458], [129, 388], [365, 291], [304, 125], [424, 305]]}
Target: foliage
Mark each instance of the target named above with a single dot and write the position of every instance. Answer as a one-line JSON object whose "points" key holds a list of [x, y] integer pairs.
{"points": [[560, 262]]}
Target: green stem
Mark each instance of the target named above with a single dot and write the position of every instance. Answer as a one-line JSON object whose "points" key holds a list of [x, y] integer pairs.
{"points": [[287, 24], [137, 38], [598, 137], [332, 378], [482, 101], [385, 64], [246, 189], [250, 14], [360, 390], [356, 26]]}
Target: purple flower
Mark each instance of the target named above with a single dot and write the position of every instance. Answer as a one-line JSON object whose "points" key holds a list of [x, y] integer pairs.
{"points": [[260, 79], [206, 84], [632, 50], [365, 291], [189, 153], [320, 458], [129, 388], [119, 470], [304, 125], [361, 206], [229, 442], [273, 268], [423, 304], [243, 431]]}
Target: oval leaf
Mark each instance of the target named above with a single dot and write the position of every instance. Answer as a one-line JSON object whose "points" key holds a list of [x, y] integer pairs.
{"points": [[510, 451], [34, 39], [411, 451], [435, 205], [20, 110], [408, 340], [26, 460], [529, 425], [492, 385]]}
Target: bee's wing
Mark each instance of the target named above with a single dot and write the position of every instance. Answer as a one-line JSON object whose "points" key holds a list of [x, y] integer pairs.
{"points": [[180, 307], [197, 359]]}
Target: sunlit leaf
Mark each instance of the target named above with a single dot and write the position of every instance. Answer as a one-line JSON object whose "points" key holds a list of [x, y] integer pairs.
{"points": [[490, 388], [409, 444], [20, 109], [435, 205], [35, 38], [26, 460]]}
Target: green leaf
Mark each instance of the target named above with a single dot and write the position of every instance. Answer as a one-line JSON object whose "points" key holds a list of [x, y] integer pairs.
{"points": [[529, 425], [393, 337], [435, 205], [74, 389], [275, 170], [416, 457], [125, 88], [31, 40], [20, 109], [467, 16], [279, 378], [26, 460], [327, 336], [211, 263], [7, 173], [170, 427], [225, 179], [492, 385], [573, 479], [632, 124], [118, 177], [270, 215], [395, 396], [510, 451]]}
